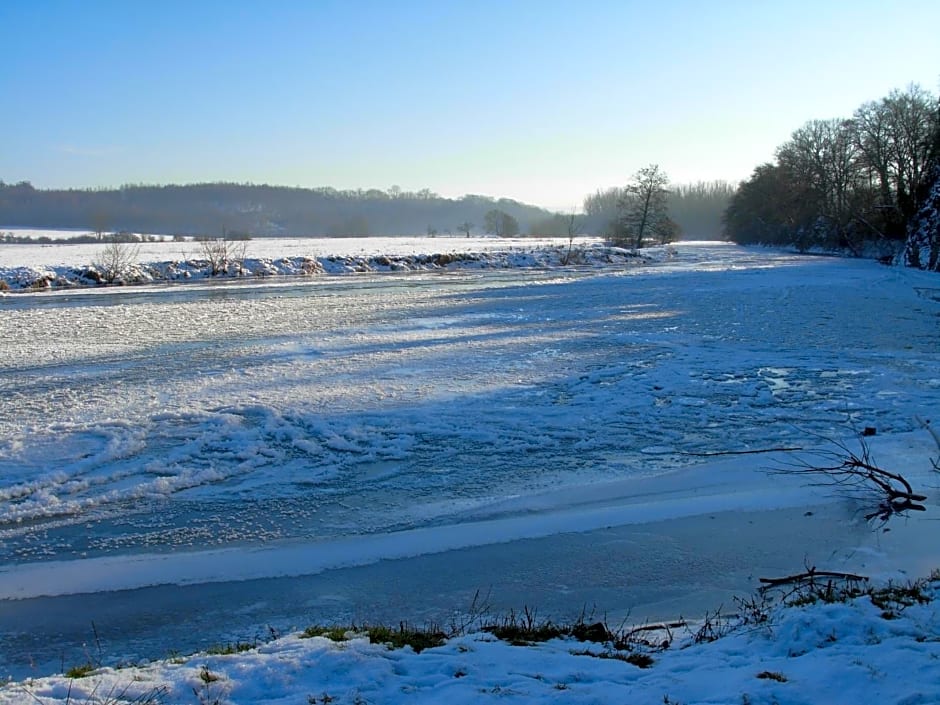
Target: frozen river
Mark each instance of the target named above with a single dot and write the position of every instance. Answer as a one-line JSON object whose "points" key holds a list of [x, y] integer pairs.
{"points": [[182, 463]]}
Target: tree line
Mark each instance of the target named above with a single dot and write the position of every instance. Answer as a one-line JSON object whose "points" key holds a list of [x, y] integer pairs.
{"points": [[843, 183], [687, 211], [215, 209], [227, 209]]}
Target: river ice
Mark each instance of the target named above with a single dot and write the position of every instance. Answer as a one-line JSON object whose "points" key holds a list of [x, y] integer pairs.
{"points": [[270, 430]]}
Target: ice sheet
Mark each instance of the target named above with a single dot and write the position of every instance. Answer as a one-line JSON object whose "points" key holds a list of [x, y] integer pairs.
{"points": [[205, 434]]}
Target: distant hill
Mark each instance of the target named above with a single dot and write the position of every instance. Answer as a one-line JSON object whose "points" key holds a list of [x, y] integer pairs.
{"points": [[217, 208]]}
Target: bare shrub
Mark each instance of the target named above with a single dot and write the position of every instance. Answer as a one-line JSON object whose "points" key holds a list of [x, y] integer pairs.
{"points": [[221, 253], [116, 259]]}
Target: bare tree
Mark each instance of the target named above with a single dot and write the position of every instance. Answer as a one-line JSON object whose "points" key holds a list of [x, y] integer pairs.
{"points": [[465, 227], [823, 155], [872, 134], [100, 218], [643, 210], [116, 259], [501, 224], [911, 116], [574, 229]]}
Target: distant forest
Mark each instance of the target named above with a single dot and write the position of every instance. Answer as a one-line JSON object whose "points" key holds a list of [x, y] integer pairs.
{"points": [[217, 209]]}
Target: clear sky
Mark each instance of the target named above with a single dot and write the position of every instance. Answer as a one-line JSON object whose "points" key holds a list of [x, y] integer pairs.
{"points": [[542, 101]]}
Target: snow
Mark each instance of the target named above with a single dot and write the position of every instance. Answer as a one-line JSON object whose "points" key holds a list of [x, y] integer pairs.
{"points": [[161, 259], [822, 653], [186, 463]]}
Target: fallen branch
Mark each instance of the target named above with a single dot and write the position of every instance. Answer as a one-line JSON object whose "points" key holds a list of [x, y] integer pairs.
{"points": [[892, 493], [810, 576], [742, 452], [659, 627], [812, 585]]}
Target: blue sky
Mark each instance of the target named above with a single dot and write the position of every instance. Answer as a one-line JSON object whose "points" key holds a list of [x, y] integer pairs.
{"points": [[542, 101]]}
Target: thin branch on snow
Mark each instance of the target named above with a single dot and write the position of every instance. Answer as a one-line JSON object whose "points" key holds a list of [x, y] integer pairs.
{"points": [[742, 452]]}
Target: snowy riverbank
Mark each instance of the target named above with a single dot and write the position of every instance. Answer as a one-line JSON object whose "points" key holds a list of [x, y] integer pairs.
{"points": [[871, 649], [63, 266]]}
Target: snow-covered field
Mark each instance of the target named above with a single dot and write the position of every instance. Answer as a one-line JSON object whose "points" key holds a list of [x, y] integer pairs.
{"points": [[75, 255], [186, 464], [36, 265]]}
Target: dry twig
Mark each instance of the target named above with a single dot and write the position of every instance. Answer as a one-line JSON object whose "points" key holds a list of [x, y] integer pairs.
{"points": [[857, 472]]}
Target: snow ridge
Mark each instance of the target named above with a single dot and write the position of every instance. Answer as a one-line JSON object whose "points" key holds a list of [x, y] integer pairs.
{"points": [[18, 278]]}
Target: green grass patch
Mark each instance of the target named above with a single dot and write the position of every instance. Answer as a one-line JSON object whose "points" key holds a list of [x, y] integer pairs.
{"points": [[634, 658], [331, 633], [238, 647], [520, 634], [527, 628], [418, 638], [82, 671]]}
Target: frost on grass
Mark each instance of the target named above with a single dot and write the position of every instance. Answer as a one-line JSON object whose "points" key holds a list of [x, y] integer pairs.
{"points": [[825, 644]]}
